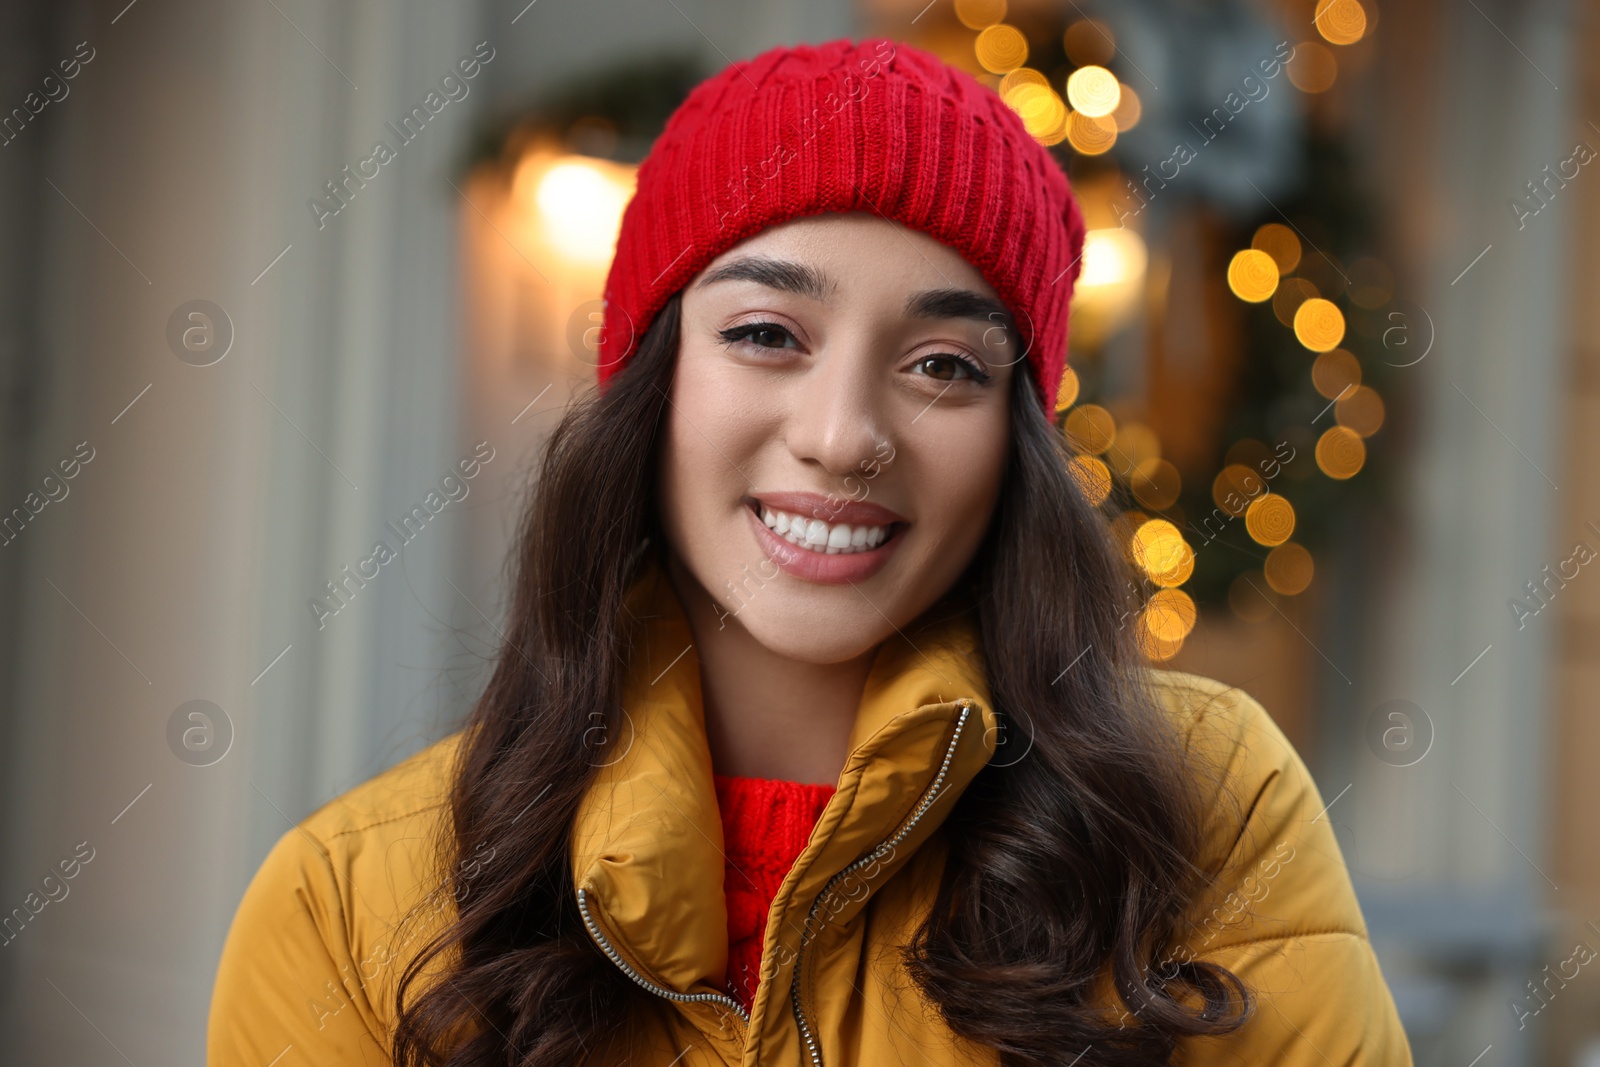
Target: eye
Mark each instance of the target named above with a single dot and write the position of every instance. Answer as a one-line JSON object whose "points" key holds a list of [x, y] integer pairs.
{"points": [[951, 363], [760, 334]]}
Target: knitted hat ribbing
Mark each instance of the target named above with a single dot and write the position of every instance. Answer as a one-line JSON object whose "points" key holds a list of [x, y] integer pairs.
{"points": [[873, 126]]}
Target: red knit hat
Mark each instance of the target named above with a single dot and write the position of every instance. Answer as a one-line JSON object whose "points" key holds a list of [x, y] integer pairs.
{"points": [[875, 126]]}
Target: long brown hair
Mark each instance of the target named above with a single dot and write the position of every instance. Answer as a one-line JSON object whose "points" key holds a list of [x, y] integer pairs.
{"points": [[1077, 859]]}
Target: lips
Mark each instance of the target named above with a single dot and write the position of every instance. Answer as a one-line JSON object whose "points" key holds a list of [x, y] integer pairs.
{"points": [[830, 509], [809, 565]]}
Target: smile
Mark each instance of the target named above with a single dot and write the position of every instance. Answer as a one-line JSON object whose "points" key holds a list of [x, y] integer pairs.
{"points": [[812, 549], [837, 538]]}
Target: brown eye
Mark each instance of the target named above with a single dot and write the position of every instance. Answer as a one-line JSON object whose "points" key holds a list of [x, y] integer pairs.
{"points": [[951, 367], [760, 334]]}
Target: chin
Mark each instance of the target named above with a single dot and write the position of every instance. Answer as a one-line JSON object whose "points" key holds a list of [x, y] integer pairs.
{"points": [[823, 642]]}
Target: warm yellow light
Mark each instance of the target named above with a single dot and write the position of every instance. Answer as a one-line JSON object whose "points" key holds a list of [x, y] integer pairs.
{"points": [[1090, 428], [1340, 452], [1289, 569], [1135, 443], [1336, 373], [1126, 116], [1040, 109], [1235, 486], [1001, 48], [1112, 256], [1312, 67], [1094, 91], [1156, 484], [1319, 324], [580, 206], [1067, 394], [1057, 133], [1292, 292], [1158, 548], [1252, 275], [1111, 282], [979, 14], [1341, 21], [1279, 242], [1270, 519], [1361, 410], [1016, 79], [1123, 528], [1089, 135], [1154, 648], [1089, 41], [1169, 615], [1092, 476]]}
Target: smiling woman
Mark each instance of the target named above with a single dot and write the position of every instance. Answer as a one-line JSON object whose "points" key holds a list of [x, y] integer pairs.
{"points": [[793, 576], [802, 350]]}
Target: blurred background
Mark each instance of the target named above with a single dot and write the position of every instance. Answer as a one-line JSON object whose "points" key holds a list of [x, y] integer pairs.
{"points": [[274, 269]]}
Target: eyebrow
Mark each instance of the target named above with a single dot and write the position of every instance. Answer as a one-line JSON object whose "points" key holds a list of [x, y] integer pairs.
{"points": [[792, 277]]}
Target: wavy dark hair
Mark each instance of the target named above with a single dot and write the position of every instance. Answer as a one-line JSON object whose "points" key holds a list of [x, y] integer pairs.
{"points": [[1076, 861]]}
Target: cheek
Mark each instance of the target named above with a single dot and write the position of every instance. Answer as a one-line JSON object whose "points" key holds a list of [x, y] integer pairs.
{"points": [[966, 483], [708, 439]]}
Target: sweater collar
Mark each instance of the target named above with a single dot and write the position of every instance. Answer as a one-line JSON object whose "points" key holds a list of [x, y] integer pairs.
{"points": [[647, 846]]}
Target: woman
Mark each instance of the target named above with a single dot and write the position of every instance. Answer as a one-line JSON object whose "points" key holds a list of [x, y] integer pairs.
{"points": [[818, 736]]}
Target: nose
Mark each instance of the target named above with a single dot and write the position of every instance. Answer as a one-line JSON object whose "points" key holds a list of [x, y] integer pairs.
{"points": [[836, 419]]}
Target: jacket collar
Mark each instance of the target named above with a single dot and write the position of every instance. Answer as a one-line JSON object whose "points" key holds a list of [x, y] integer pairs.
{"points": [[647, 847]]}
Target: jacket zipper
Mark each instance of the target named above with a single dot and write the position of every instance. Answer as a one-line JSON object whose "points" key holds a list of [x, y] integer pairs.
{"points": [[643, 982], [928, 797]]}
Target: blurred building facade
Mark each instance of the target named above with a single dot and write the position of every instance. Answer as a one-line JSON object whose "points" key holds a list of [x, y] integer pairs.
{"points": [[368, 325]]}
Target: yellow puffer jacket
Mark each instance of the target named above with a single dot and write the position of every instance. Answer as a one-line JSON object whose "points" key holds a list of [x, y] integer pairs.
{"points": [[309, 968]]}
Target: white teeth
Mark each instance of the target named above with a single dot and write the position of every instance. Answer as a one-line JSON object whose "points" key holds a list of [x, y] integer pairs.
{"points": [[822, 537]]}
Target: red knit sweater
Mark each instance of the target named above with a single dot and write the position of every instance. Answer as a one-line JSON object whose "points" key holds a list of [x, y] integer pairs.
{"points": [[765, 827]]}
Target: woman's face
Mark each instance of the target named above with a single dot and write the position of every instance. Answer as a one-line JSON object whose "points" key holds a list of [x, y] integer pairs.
{"points": [[837, 432]]}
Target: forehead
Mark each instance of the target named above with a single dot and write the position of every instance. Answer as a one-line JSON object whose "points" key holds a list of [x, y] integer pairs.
{"points": [[860, 264], [860, 251]]}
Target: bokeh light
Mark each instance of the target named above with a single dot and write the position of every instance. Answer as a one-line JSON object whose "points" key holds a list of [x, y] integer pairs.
{"points": [[1094, 91], [1128, 110], [1340, 452], [1067, 394], [1292, 292], [1090, 429], [1335, 372], [1135, 442], [1156, 484], [1312, 68], [579, 205], [1279, 242], [1089, 41], [1319, 324], [1001, 48], [1168, 617], [1360, 410], [1089, 135], [980, 14], [1269, 519], [1341, 21], [1252, 275], [1289, 569], [1158, 548], [1235, 486]]}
